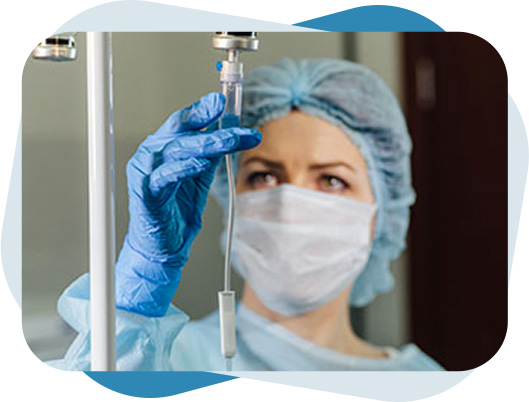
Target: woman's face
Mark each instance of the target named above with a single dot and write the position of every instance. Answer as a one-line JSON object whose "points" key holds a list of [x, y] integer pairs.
{"points": [[308, 152]]}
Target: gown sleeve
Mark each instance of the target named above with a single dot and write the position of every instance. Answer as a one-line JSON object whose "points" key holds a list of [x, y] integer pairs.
{"points": [[142, 343]]}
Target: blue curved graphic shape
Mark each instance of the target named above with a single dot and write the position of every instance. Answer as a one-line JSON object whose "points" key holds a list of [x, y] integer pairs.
{"points": [[145, 384], [373, 19]]}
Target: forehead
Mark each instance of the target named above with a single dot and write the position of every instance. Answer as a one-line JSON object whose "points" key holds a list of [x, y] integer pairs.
{"points": [[306, 139]]}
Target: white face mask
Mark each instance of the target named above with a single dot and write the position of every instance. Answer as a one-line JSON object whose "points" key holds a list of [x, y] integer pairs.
{"points": [[299, 249]]}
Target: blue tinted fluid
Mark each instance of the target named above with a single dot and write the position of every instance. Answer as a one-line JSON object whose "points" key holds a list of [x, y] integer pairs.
{"points": [[230, 120]]}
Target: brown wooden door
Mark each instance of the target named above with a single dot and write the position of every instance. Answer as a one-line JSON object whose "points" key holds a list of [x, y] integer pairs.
{"points": [[457, 113]]}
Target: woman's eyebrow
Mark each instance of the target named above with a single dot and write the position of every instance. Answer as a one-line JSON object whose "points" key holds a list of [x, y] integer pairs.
{"points": [[332, 164], [267, 162]]}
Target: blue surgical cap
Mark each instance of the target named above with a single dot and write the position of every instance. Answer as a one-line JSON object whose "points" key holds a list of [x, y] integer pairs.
{"points": [[356, 100]]}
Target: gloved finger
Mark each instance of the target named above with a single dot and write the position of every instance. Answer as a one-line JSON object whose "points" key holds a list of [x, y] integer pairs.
{"points": [[212, 127], [216, 143], [173, 172], [199, 115]]}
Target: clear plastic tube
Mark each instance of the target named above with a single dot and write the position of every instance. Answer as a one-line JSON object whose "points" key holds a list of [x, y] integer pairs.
{"points": [[230, 118], [231, 88]]}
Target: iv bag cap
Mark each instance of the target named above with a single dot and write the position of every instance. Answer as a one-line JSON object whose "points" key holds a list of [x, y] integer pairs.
{"points": [[243, 41]]}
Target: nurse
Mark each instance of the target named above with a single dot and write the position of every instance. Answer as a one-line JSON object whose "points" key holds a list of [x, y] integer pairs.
{"points": [[324, 191]]}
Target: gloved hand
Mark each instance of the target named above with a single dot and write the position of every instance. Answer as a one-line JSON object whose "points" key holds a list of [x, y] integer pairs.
{"points": [[169, 178]]}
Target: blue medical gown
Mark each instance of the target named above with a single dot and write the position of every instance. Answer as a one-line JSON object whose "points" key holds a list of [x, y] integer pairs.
{"points": [[172, 342]]}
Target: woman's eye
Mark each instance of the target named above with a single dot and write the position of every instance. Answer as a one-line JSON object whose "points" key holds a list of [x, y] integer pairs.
{"points": [[262, 179], [332, 183]]}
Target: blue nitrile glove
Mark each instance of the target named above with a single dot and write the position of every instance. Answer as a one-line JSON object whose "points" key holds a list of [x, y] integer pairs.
{"points": [[169, 178]]}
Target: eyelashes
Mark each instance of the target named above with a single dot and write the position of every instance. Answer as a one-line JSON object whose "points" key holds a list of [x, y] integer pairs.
{"points": [[333, 183], [262, 179], [324, 182]]}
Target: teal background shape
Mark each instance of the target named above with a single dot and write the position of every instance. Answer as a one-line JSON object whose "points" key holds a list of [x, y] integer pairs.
{"points": [[145, 16], [147, 384], [373, 19]]}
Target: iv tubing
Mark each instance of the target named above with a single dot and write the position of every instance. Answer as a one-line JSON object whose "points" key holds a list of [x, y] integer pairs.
{"points": [[229, 234], [231, 88]]}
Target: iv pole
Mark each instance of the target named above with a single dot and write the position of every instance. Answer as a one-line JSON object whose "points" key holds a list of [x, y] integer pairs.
{"points": [[62, 48], [101, 201]]}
